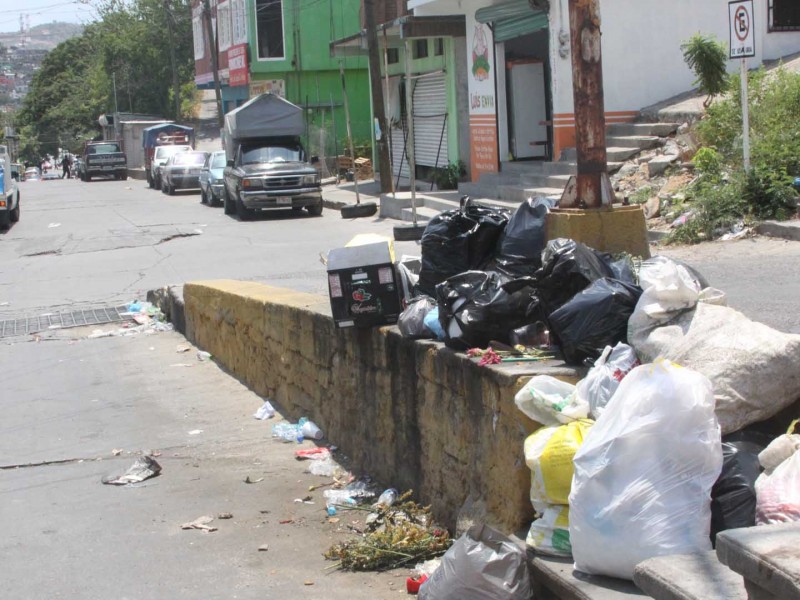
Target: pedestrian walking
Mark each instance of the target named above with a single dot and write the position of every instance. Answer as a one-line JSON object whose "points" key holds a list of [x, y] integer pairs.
{"points": [[66, 164]]}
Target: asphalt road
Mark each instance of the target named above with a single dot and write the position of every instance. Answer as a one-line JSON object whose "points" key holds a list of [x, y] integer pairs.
{"points": [[103, 242]]}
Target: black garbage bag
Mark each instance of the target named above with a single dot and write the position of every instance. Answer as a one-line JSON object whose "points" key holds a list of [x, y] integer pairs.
{"points": [[595, 318], [477, 307], [519, 250], [455, 241], [411, 321], [733, 497], [567, 268]]}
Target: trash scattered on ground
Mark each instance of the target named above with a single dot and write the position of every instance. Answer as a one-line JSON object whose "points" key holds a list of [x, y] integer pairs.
{"points": [[482, 563], [310, 430], [312, 453], [248, 480], [143, 468], [414, 583], [183, 348], [202, 355], [117, 451], [54, 225], [263, 547], [181, 365], [296, 432], [401, 534], [225, 515], [265, 411], [195, 432], [201, 523]]}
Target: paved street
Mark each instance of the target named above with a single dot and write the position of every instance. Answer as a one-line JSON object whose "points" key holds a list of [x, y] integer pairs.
{"points": [[67, 401], [110, 241]]}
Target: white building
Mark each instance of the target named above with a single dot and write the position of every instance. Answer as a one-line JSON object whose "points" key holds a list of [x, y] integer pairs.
{"points": [[520, 69]]}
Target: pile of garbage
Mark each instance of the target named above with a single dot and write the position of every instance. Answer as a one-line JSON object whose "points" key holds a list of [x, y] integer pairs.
{"points": [[666, 441], [670, 438], [487, 278]]}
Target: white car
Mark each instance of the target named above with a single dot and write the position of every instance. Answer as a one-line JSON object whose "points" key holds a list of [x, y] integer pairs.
{"points": [[160, 157]]}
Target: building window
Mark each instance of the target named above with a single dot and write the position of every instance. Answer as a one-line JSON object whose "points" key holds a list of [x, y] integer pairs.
{"points": [[224, 25], [784, 15], [269, 28], [392, 56], [420, 48], [238, 22], [438, 47], [198, 34]]}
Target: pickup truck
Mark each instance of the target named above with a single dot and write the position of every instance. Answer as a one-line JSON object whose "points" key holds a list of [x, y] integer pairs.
{"points": [[9, 199], [266, 164], [270, 173], [103, 158]]}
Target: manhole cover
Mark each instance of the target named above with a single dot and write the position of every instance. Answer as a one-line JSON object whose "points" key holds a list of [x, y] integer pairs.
{"points": [[63, 320]]}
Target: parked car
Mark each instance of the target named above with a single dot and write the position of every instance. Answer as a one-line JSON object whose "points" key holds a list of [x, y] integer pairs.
{"points": [[160, 156], [103, 159], [50, 175], [182, 171], [211, 179], [32, 174]]}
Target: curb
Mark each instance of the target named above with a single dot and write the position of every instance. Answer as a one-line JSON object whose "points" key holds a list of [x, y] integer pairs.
{"points": [[788, 230]]}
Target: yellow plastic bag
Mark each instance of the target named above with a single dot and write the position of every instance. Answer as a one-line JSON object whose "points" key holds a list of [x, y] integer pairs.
{"points": [[549, 453], [549, 534]]}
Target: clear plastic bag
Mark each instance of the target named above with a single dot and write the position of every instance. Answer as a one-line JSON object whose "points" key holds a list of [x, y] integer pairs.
{"points": [[604, 377], [643, 476], [550, 401]]}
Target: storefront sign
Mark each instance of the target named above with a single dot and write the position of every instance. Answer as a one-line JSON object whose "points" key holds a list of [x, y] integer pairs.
{"points": [[482, 102], [276, 86], [238, 71]]}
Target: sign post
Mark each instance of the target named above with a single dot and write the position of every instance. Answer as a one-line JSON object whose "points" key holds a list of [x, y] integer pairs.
{"points": [[742, 46]]}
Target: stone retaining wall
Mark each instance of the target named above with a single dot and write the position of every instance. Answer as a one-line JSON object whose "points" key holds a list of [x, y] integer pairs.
{"points": [[414, 415]]}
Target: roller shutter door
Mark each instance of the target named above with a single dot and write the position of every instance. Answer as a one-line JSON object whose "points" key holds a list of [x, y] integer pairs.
{"points": [[430, 118]]}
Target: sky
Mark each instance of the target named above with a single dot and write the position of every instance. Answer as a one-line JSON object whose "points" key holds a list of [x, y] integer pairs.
{"points": [[43, 11]]}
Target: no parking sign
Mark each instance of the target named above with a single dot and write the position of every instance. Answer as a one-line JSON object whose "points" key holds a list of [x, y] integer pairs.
{"points": [[743, 37]]}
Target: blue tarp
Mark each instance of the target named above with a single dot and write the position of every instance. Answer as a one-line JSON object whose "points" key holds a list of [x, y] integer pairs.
{"points": [[151, 134]]}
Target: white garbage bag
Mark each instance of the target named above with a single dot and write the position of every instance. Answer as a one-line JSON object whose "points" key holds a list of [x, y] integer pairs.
{"points": [[643, 476], [778, 494], [550, 401]]}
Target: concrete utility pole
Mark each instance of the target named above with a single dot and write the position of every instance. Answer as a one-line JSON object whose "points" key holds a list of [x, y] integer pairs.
{"points": [[212, 42], [378, 105], [592, 187]]}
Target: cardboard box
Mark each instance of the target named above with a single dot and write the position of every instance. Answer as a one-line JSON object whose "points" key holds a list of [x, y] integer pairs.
{"points": [[362, 285]]}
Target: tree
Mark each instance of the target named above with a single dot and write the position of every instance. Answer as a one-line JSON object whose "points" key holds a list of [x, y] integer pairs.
{"points": [[708, 59]]}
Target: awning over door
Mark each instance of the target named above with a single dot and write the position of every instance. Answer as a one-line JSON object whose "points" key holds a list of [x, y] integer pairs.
{"points": [[512, 19]]}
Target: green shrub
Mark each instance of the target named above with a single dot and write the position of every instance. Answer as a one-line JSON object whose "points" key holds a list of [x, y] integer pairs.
{"points": [[447, 178], [708, 59], [708, 162]]}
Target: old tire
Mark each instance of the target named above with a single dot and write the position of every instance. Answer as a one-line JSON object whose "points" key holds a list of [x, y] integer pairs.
{"points": [[315, 210], [356, 211], [13, 216], [408, 233], [227, 204], [242, 211]]}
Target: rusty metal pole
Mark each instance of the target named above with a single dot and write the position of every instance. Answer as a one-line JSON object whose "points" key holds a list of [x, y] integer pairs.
{"points": [[591, 188]]}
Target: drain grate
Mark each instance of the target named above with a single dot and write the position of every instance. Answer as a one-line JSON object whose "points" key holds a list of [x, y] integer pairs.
{"points": [[63, 320]]}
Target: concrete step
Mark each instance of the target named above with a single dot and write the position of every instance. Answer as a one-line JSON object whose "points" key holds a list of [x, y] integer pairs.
{"points": [[424, 214], [767, 557], [689, 577], [639, 129], [556, 578], [644, 142]]}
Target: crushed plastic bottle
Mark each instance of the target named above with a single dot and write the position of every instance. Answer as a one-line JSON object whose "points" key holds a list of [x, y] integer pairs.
{"points": [[286, 432], [387, 498], [340, 499]]}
